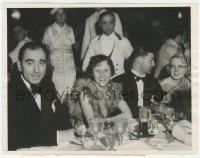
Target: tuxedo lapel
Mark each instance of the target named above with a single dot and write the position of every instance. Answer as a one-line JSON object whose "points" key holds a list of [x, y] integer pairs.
{"points": [[29, 103], [132, 84], [131, 87]]}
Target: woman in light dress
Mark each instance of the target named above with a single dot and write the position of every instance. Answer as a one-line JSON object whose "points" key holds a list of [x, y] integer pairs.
{"points": [[59, 38]]}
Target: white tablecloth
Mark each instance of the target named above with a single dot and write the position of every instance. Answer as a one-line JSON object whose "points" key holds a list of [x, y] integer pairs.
{"points": [[68, 142]]}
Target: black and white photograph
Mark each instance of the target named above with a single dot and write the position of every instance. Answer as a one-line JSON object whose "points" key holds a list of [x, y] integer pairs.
{"points": [[100, 79]]}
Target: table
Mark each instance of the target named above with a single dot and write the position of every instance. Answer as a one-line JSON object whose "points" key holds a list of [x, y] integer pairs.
{"points": [[68, 142]]}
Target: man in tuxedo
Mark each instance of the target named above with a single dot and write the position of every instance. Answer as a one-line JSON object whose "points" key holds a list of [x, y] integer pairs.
{"points": [[34, 110], [139, 86]]}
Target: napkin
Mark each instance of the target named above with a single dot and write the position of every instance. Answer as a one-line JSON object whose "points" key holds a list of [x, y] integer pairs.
{"points": [[182, 131]]}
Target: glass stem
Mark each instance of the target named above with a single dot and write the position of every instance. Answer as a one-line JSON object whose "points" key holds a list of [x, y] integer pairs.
{"points": [[119, 139], [95, 141], [83, 142]]}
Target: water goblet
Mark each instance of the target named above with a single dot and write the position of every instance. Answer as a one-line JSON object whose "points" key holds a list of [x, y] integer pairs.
{"points": [[79, 133], [110, 135], [121, 125], [96, 126]]}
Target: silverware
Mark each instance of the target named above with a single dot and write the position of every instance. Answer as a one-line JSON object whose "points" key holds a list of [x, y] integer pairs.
{"points": [[172, 138], [75, 143]]}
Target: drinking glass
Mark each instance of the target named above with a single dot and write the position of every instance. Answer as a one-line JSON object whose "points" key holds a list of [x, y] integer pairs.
{"points": [[168, 114], [168, 117], [121, 125], [110, 134], [96, 126], [145, 116], [79, 132]]}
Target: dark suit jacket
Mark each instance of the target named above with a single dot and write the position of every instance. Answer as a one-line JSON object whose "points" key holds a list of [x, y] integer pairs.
{"points": [[27, 125], [152, 88]]}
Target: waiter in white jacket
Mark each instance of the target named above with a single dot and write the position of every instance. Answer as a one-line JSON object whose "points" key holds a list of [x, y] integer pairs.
{"points": [[90, 31], [109, 43]]}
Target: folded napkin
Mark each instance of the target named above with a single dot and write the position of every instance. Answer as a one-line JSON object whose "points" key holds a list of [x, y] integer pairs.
{"points": [[182, 131]]}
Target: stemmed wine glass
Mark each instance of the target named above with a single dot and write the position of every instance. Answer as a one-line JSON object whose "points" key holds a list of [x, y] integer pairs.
{"points": [[110, 133], [96, 126], [121, 125], [79, 132]]}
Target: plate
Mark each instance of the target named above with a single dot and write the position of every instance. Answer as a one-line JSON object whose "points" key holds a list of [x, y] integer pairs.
{"points": [[155, 141]]}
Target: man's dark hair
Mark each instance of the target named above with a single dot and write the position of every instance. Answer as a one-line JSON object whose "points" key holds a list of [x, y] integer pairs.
{"points": [[97, 28], [32, 46], [137, 52], [95, 60]]}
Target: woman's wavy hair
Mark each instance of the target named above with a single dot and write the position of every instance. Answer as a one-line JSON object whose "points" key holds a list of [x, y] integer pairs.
{"points": [[95, 61], [180, 56]]}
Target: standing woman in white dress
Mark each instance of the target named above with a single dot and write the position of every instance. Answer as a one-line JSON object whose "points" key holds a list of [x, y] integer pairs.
{"points": [[59, 38]]}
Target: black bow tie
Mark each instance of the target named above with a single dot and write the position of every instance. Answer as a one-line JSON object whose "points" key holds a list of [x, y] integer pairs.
{"points": [[137, 78], [35, 89]]}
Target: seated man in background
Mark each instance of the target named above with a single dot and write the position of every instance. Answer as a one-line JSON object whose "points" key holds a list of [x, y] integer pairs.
{"points": [[34, 110], [20, 35], [139, 86]]}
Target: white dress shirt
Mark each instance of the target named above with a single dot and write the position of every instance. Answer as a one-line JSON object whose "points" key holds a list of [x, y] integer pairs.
{"points": [[37, 96], [140, 87]]}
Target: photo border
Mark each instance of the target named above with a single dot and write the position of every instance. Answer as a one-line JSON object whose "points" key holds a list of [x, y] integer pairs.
{"points": [[194, 78]]}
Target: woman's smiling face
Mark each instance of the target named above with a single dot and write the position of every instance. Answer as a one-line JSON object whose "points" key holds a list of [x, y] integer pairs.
{"points": [[102, 73], [177, 69]]}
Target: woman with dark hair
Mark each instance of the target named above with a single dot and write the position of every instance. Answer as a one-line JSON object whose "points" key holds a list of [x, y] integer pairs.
{"points": [[98, 96]]}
